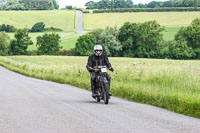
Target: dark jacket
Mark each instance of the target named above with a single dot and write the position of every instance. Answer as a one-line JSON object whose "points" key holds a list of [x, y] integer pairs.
{"points": [[94, 61]]}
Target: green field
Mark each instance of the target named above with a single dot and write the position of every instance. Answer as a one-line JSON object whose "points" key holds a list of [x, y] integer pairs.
{"points": [[170, 33], [26, 19], [170, 84], [168, 19], [69, 43]]}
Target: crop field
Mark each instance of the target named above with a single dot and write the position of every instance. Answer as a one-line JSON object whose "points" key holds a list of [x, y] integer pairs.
{"points": [[26, 19], [168, 19], [170, 84]]}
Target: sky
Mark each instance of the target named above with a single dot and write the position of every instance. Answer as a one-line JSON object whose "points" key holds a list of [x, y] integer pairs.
{"points": [[81, 3]]}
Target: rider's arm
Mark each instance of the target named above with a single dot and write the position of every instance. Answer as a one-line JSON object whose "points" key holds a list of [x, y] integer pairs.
{"points": [[89, 64], [109, 66]]}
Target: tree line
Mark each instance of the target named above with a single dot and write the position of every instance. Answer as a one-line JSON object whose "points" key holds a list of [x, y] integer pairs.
{"points": [[109, 4], [112, 4], [142, 40], [28, 4]]}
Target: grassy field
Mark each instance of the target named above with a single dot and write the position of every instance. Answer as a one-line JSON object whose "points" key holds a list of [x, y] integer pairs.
{"points": [[55, 18], [170, 33], [69, 43], [170, 84], [169, 19]]}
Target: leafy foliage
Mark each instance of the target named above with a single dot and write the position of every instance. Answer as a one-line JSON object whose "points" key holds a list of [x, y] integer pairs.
{"points": [[127, 36], [7, 28], [29, 5], [69, 7], [48, 44], [109, 4], [109, 41], [140, 40], [38, 27], [4, 43], [85, 44], [21, 42]]}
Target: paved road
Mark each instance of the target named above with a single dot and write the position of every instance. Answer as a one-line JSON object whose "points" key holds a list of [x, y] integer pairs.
{"points": [[79, 26], [29, 105]]}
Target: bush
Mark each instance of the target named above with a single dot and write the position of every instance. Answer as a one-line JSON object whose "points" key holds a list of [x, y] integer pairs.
{"points": [[4, 44], [180, 50], [48, 44], [7, 28], [38, 27], [177, 9], [53, 29], [85, 45]]}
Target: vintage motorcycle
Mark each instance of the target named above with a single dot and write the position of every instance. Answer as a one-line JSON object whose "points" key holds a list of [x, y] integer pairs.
{"points": [[102, 85]]}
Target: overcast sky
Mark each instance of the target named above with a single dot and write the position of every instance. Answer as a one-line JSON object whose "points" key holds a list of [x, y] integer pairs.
{"points": [[81, 3]]}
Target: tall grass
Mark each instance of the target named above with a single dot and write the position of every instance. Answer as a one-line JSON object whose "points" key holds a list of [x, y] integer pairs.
{"points": [[170, 84]]}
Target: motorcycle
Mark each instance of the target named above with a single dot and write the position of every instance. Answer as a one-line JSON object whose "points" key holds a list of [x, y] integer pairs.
{"points": [[102, 85]]}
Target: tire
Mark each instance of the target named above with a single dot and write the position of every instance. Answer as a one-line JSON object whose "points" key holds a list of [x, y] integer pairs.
{"points": [[106, 98]]}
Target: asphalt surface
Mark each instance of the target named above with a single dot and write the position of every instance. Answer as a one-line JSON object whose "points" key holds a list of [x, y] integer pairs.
{"points": [[29, 105], [79, 26]]}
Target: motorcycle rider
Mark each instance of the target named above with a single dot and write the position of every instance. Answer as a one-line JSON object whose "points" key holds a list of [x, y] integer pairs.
{"points": [[95, 60]]}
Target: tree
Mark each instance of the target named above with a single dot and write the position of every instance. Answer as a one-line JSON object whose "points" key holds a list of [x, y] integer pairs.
{"points": [[56, 5], [68, 7], [21, 42], [13, 5], [4, 44], [97, 33], [127, 36], [90, 5], [140, 40], [149, 36], [38, 27], [195, 4], [85, 45], [109, 41], [190, 34], [48, 44], [153, 4], [129, 4]]}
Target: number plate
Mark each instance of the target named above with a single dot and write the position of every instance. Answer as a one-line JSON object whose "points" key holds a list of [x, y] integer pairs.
{"points": [[103, 70]]}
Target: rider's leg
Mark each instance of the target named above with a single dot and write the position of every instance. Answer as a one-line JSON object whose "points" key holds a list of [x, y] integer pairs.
{"points": [[93, 76], [109, 80]]}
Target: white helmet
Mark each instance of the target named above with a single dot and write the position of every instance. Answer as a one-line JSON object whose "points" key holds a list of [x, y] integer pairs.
{"points": [[98, 50]]}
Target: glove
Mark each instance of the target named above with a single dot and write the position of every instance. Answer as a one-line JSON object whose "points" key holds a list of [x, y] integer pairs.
{"points": [[111, 69], [96, 70]]}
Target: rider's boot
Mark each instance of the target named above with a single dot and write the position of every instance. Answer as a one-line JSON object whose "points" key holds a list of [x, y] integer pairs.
{"points": [[94, 93]]}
